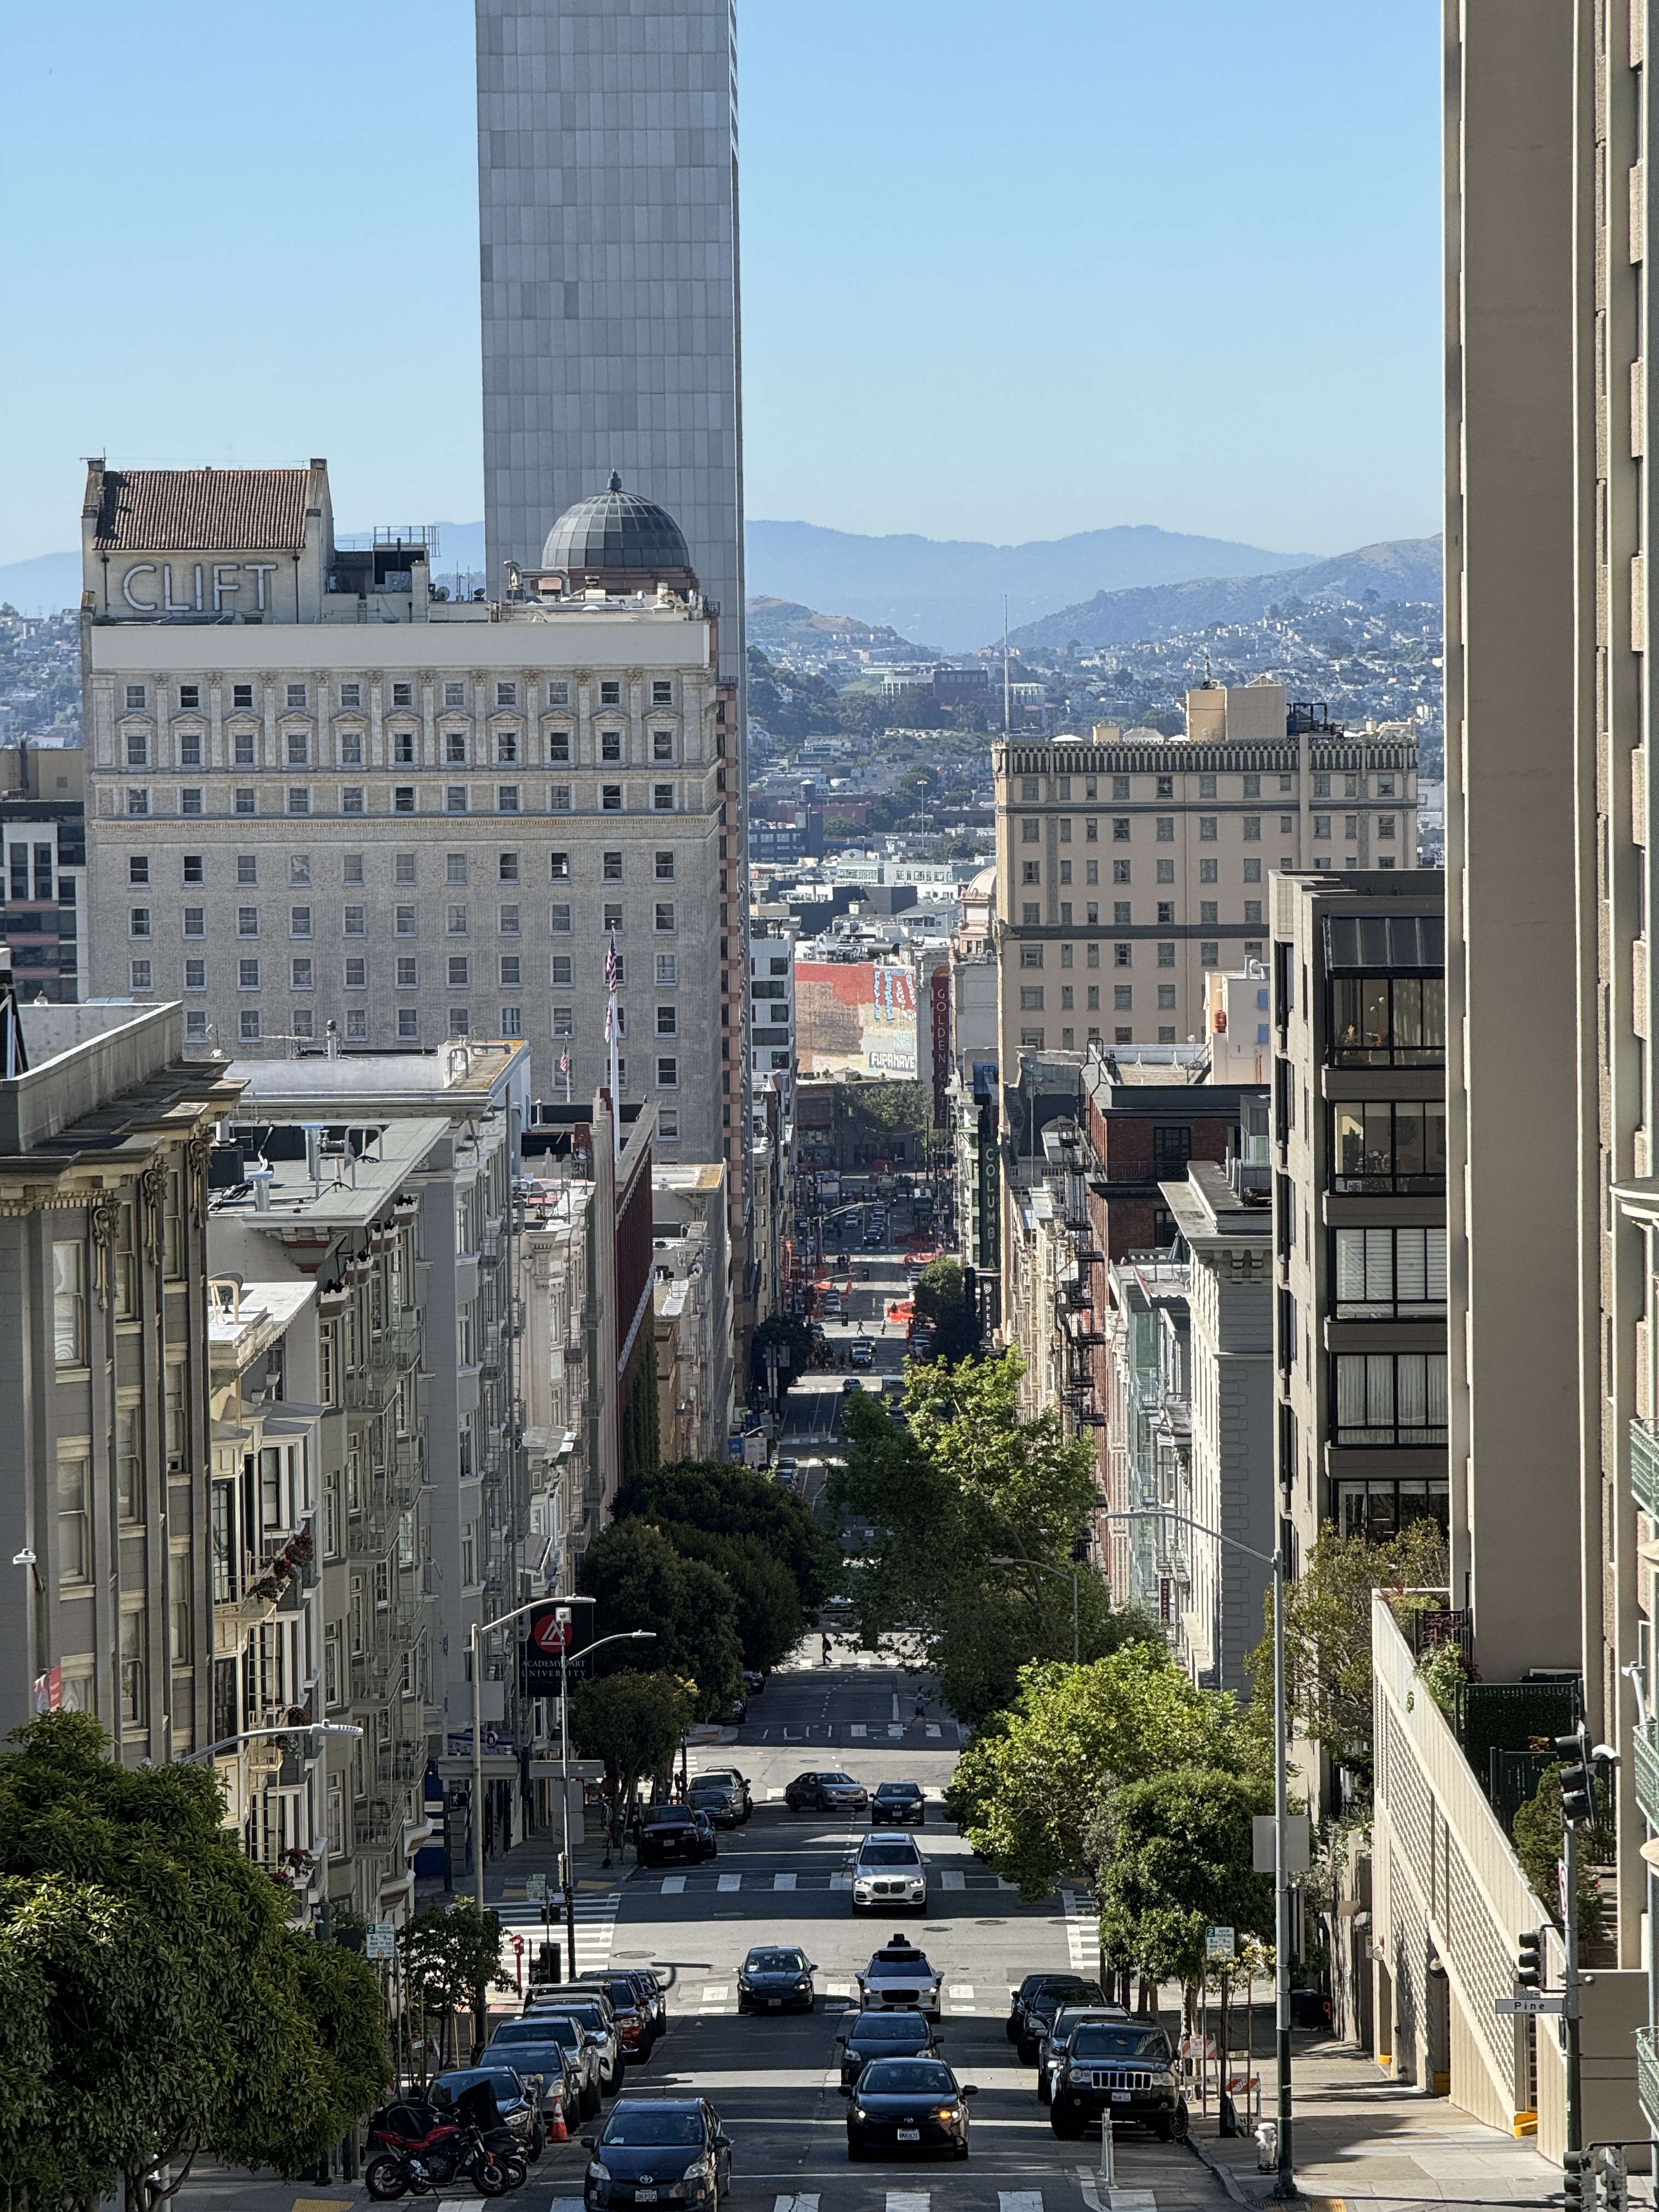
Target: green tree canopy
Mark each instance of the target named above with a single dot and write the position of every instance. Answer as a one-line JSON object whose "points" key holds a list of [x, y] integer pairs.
{"points": [[166, 2002], [641, 1581], [1327, 1634], [941, 1293], [795, 1337], [452, 1957], [770, 1618], [633, 1722], [965, 1482], [1029, 1787], [1173, 1855], [721, 1499]]}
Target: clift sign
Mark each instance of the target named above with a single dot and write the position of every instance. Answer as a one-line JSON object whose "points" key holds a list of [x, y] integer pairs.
{"points": [[205, 586]]}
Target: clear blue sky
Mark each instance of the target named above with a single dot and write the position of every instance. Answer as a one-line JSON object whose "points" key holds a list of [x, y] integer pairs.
{"points": [[1009, 272]]}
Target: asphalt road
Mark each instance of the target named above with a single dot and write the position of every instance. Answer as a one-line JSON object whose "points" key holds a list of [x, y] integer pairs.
{"points": [[781, 1878]]}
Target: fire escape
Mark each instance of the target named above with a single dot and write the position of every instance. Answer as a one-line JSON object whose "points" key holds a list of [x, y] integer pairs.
{"points": [[1080, 1291]]}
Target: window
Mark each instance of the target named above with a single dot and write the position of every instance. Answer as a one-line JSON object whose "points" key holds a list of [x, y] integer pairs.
{"points": [[1030, 998], [1121, 872], [1391, 1398], [1123, 997], [1030, 915], [409, 972], [301, 974], [1253, 872], [460, 1022], [1166, 829], [1390, 1274], [507, 695], [613, 919], [138, 749], [662, 744], [609, 691], [1253, 829], [196, 1021], [454, 693], [558, 695], [611, 798], [1166, 911], [138, 919], [1166, 996], [667, 971], [403, 799], [249, 1028], [564, 1018], [1091, 829], [247, 921], [138, 802], [454, 749], [243, 744], [668, 1123], [354, 921], [1120, 829], [1166, 955], [403, 695], [460, 977], [1207, 828], [457, 923], [1351, 827], [507, 921], [1028, 787], [509, 963], [454, 798], [1390, 1144], [1209, 914], [668, 1073], [247, 974], [1123, 956], [1209, 952], [1209, 872], [357, 974], [403, 921], [454, 867], [356, 1025], [296, 695], [1030, 955], [1287, 824], [242, 695], [189, 800], [507, 798], [196, 976], [1030, 829], [1252, 913], [299, 749], [559, 922], [662, 691], [1031, 872], [190, 749], [351, 694], [409, 1025], [141, 975], [611, 744], [1385, 825], [74, 1516], [662, 798], [1381, 1021], [299, 921], [1122, 913], [558, 745], [351, 798]]}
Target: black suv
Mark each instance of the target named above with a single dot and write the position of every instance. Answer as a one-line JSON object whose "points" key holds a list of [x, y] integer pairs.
{"points": [[1037, 1999], [675, 1832], [1121, 2068], [897, 1802]]}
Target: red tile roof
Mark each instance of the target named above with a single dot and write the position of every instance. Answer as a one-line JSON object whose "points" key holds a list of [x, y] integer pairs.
{"points": [[201, 510]]}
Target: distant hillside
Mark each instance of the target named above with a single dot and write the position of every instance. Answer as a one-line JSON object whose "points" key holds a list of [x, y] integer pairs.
{"points": [[1407, 569], [44, 585], [951, 591], [785, 622]]}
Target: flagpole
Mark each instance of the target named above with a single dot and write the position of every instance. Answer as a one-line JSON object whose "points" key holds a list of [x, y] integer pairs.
{"points": [[610, 1034]]}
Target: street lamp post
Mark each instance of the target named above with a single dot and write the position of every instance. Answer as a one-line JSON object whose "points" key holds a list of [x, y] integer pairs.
{"points": [[1285, 2186], [1007, 1559], [624, 1636], [248, 1735]]}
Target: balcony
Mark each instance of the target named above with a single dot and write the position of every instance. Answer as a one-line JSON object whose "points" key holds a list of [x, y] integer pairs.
{"points": [[1645, 1466], [1647, 2076], [1646, 1740], [393, 1350], [234, 1620]]}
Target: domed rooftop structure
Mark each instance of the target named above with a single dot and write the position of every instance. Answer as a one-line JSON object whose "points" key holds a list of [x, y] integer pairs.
{"points": [[619, 540]]}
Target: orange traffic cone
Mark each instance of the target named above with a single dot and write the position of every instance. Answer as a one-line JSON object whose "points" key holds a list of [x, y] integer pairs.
{"points": [[557, 2130]]}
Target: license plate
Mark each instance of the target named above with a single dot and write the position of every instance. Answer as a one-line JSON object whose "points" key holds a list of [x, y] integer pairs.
{"points": [[775, 2000], [909, 2134], [1120, 2096], [645, 2196]]}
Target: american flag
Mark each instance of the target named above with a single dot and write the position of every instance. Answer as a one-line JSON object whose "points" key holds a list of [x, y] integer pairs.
{"points": [[610, 966]]}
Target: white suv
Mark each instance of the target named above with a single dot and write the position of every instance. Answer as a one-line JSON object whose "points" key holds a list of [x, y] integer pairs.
{"points": [[889, 1870]]}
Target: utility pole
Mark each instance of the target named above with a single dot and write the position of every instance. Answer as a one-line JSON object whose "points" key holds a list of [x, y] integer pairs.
{"points": [[1577, 1810]]}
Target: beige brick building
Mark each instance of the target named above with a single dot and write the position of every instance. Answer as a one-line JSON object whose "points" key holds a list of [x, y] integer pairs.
{"points": [[1129, 866]]}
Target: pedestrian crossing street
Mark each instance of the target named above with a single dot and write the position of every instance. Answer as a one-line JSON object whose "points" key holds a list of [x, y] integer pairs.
{"points": [[595, 1922]]}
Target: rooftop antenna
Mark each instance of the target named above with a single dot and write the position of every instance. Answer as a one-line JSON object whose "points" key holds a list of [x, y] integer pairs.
{"points": [[1004, 665]]}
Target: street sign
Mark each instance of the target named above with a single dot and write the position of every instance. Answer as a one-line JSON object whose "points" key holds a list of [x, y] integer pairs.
{"points": [[535, 1889], [381, 1940], [553, 1629], [1218, 1942], [1296, 1855], [1532, 2002]]}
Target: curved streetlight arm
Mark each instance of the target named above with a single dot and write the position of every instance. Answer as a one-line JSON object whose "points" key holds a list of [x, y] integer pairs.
{"points": [[247, 1735]]}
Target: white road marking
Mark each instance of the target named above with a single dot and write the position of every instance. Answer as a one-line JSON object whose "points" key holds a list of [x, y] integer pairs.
{"points": [[895, 1709], [1082, 1937], [857, 1728], [841, 1881], [796, 2203], [672, 1884], [1020, 2200], [568, 2204], [895, 1727], [962, 1989], [715, 1993], [783, 1882], [932, 1727], [909, 2200], [772, 1796], [838, 1990], [953, 1881], [729, 1882]]}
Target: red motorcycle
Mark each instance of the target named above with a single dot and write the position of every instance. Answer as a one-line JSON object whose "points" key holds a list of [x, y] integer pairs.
{"points": [[418, 2151]]}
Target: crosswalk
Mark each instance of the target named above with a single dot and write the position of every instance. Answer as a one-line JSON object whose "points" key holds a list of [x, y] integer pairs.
{"points": [[906, 2200], [676, 1885], [1082, 1929], [595, 1922]]}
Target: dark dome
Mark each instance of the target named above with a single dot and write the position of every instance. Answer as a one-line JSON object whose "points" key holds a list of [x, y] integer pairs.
{"points": [[617, 529]]}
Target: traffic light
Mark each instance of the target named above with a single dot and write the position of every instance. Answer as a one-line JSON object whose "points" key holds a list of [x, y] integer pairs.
{"points": [[1577, 1779], [1529, 1960], [1578, 2181]]}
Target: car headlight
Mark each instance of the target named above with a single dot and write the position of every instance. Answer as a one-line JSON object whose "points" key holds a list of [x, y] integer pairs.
{"points": [[948, 2112], [597, 2172], [802, 1986], [859, 2112]]}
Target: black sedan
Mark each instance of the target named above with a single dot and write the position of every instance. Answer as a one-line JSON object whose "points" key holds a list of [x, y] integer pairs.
{"points": [[776, 1978], [871, 2035], [658, 2150], [897, 1803], [675, 1832], [907, 2104]]}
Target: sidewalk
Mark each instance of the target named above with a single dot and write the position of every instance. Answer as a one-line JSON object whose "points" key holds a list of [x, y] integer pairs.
{"points": [[1361, 2138]]}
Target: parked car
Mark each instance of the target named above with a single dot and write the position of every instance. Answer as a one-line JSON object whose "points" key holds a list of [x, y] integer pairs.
{"points": [[826, 1791], [867, 2035], [675, 1832], [897, 1804], [734, 1781], [889, 1870], [592, 2009], [635, 2018], [899, 1974], [777, 1978], [1116, 2071], [722, 1799], [905, 2103], [1044, 2003], [579, 2044], [665, 2138], [785, 1469], [521, 2098]]}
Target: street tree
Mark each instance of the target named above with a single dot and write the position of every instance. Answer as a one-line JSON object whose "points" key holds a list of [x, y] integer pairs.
{"points": [[770, 1618], [633, 1722], [1029, 1787], [725, 1500], [452, 1959], [940, 1294], [1173, 1857], [793, 1338], [167, 2001], [1328, 1636], [641, 1581]]}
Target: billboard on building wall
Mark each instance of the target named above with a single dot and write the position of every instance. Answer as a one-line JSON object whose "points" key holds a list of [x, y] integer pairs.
{"points": [[855, 1018]]}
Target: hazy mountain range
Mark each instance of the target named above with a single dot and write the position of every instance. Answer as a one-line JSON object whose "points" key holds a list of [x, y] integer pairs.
{"points": [[1402, 568]]}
